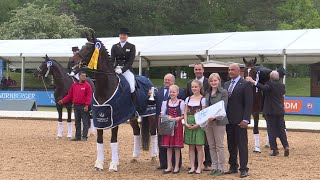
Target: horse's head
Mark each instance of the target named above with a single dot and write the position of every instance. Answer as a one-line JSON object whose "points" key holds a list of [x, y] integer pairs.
{"points": [[250, 69], [44, 69], [83, 56]]}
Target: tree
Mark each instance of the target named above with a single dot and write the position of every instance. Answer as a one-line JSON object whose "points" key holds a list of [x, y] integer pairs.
{"points": [[298, 15], [35, 22]]}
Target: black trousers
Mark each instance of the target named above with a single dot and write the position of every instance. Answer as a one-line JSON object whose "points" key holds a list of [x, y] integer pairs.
{"points": [[79, 115], [276, 128], [237, 141]]}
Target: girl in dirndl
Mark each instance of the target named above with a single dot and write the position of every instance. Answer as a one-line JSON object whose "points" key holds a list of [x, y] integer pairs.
{"points": [[173, 107], [194, 136]]}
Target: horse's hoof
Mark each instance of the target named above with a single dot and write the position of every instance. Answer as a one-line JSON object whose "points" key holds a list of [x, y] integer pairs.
{"points": [[113, 167], [266, 146], [153, 160], [134, 160], [69, 138], [59, 137], [91, 134], [257, 150], [98, 165]]}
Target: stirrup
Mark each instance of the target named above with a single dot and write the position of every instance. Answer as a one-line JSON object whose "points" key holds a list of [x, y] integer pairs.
{"points": [[113, 167], [98, 165]]}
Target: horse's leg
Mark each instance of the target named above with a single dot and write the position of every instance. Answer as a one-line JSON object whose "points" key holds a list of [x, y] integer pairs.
{"points": [[136, 139], [154, 138], [256, 132], [91, 126], [100, 151], [114, 150], [69, 109], [60, 127]]}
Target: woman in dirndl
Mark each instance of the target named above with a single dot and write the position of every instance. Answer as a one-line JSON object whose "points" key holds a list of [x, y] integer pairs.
{"points": [[173, 107], [194, 136]]}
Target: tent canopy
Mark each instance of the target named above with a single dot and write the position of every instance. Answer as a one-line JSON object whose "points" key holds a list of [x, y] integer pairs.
{"points": [[300, 46]]}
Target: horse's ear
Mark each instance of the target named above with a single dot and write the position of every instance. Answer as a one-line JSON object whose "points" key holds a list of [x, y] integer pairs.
{"points": [[255, 60], [93, 36], [245, 61], [87, 36], [46, 57]]}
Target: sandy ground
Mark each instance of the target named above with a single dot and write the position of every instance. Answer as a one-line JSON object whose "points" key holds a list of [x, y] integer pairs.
{"points": [[29, 150]]}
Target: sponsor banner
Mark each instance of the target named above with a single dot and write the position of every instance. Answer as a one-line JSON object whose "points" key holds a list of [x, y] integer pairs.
{"points": [[302, 105], [42, 98]]}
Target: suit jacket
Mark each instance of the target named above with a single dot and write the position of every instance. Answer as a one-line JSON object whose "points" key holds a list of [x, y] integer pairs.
{"points": [[205, 87], [123, 56], [160, 98], [240, 102], [273, 101]]}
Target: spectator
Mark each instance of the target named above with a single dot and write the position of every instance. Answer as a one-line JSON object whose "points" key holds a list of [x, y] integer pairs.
{"points": [[215, 129], [273, 110], [238, 112], [80, 93], [163, 95], [173, 107], [198, 72], [194, 136]]}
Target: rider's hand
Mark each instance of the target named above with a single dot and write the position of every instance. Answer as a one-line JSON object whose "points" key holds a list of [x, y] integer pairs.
{"points": [[118, 71]]}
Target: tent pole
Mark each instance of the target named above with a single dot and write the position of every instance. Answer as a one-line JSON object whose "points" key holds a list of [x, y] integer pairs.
{"points": [[140, 64], [7, 64], [22, 72], [284, 66]]}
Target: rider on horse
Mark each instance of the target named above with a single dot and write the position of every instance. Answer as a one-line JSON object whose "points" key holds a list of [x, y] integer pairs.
{"points": [[122, 57]]}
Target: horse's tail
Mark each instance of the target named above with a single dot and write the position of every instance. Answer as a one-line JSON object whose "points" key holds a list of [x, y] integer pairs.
{"points": [[145, 137]]}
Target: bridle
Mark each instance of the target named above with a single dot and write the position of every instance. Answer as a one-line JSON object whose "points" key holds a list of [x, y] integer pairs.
{"points": [[81, 65]]}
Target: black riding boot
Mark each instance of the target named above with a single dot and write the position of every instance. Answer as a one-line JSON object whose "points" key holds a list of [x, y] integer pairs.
{"points": [[134, 98]]}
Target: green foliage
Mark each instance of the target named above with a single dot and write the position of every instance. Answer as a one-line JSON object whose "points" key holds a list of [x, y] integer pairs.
{"points": [[35, 22], [298, 15]]}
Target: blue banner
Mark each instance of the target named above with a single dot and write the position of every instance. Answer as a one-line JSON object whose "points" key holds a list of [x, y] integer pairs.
{"points": [[42, 98], [1, 69], [302, 105]]}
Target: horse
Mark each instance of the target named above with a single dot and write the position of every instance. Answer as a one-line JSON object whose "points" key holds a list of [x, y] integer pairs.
{"points": [[63, 83], [261, 75], [114, 104]]}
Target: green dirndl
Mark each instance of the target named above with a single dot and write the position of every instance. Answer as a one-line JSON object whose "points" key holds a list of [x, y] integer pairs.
{"points": [[194, 136]]}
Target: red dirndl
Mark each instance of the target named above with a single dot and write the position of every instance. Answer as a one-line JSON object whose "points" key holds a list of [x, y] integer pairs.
{"points": [[175, 141]]}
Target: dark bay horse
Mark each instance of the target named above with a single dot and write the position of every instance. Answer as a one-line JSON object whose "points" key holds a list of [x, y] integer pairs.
{"points": [[251, 71], [261, 75], [107, 113], [63, 83]]}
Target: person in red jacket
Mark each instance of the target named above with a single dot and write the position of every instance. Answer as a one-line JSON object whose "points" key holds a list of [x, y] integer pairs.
{"points": [[80, 94]]}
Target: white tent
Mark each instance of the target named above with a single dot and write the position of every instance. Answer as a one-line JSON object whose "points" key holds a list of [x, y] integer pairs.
{"points": [[276, 47]]}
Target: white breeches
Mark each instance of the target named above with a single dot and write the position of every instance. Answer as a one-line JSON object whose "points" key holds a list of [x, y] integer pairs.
{"points": [[130, 78]]}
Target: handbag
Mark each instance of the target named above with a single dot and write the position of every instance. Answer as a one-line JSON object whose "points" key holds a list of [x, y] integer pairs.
{"points": [[166, 126]]}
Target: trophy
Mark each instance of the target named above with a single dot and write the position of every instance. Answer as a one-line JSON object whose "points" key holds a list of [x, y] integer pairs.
{"points": [[151, 98]]}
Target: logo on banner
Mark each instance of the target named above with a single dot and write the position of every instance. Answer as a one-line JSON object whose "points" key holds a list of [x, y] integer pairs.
{"points": [[292, 105], [309, 105]]}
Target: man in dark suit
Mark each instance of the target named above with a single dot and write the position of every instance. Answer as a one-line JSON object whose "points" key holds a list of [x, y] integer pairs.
{"points": [[198, 72], [163, 95], [238, 113], [122, 57], [273, 110]]}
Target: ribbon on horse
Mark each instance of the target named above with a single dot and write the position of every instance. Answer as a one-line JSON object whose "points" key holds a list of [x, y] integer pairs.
{"points": [[116, 110], [93, 63], [144, 107]]}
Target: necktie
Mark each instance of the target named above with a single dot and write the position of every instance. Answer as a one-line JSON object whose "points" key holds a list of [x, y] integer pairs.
{"points": [[166, 95], [231, 87]]}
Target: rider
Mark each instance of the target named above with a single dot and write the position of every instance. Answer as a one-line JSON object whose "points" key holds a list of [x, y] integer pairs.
{"points": [[122, 57], [75, 50]]}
